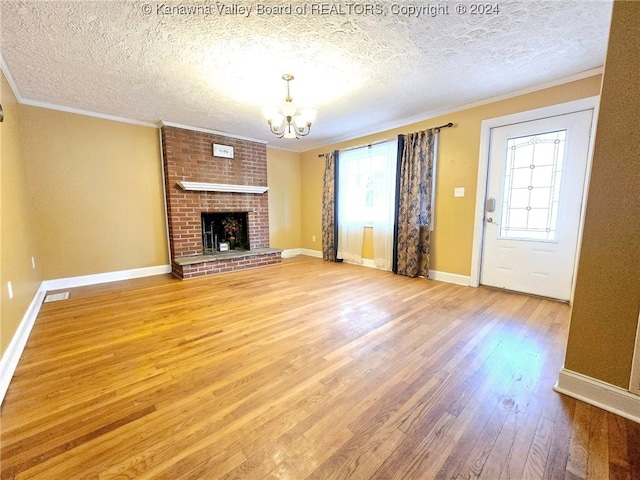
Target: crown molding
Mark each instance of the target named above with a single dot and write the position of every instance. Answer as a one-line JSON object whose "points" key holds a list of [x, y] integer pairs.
{"points": [[213, 132], [61, 108], [10, 80], [405, 122], [88, 113], [275, 147]]}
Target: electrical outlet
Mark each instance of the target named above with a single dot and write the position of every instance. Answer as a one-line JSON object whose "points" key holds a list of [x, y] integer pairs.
{"points": [[458, 192], [10, 288], [313, 238]]}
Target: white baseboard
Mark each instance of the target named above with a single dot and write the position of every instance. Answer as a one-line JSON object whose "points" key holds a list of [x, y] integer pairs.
{"points": [[599, 394], [11, 357], [294, 252], [367, 262], [311, 253], [450, 278], [291, 252], [433, 274], [84, 280], [634, 382]]}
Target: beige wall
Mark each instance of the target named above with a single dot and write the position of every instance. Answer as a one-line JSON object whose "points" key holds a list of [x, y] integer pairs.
{"points": [[311, 175], [368, 251], [96, 191], [283, 176], [604, 317], [17, 242], [458, 167]]}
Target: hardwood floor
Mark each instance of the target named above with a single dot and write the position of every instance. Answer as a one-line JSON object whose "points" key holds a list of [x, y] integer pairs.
{"points": [[310, 370]]}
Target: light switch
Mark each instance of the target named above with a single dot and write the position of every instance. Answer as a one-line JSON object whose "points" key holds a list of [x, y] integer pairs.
{"points": [[458, 192]]}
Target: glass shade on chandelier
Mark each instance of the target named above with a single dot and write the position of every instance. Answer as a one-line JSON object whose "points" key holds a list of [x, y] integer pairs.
{"points": [[287, 120]]}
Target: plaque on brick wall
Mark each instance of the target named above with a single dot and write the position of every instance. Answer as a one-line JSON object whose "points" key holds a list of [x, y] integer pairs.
{"points": [[224, 151]]}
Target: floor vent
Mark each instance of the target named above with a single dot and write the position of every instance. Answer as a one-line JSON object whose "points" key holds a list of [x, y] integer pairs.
{"points": [[55, 297]]}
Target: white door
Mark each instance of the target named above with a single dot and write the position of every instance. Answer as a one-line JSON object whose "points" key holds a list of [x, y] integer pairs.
{"points": [[534, 198]]}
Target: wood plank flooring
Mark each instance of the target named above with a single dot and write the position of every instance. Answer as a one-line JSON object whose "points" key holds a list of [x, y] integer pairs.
{"points": [[306, 370]]}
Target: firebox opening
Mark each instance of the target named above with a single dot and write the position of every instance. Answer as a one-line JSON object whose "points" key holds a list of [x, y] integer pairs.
{"points": [[229, 227]]}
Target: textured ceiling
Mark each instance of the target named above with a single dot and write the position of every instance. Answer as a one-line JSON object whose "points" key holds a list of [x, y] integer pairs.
{"points": [[363, 70]]}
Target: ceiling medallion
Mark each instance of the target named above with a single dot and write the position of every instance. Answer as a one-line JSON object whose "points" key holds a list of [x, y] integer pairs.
{"points": [[288, 120]]}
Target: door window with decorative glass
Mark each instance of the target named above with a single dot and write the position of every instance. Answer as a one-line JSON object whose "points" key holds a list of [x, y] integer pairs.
{"points": [[531, 186]]}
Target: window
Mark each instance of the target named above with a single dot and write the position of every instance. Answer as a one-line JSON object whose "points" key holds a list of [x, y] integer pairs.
{"points": [[531, 186], [366, 198], [367, 183]]}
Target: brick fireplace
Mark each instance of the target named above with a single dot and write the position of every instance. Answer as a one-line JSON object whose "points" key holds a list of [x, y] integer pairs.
{"points": [[197, 183]]}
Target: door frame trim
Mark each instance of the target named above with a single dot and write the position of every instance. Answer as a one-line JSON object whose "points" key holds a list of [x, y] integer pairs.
{"points": [[589, 103]]}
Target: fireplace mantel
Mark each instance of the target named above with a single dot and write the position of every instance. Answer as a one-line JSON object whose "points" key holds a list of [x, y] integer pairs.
{"points": [[221, 187]]}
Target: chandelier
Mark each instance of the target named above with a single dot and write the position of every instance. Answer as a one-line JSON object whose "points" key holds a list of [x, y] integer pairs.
{"points": [[287, 120]]}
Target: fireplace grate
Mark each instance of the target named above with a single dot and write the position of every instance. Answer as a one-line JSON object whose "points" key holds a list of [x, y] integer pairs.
{"points": [[230, 228]]}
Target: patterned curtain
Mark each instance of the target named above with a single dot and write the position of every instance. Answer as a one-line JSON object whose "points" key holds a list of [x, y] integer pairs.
{"points": [[413, 215], [329, 205]]}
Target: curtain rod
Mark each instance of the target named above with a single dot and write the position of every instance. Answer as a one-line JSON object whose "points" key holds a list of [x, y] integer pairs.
{"points": [[447, 125], [359, 146], [368, 145], [437, 129]]}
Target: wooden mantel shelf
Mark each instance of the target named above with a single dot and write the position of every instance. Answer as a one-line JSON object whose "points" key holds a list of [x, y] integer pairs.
{"points": [[221, 187]]}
